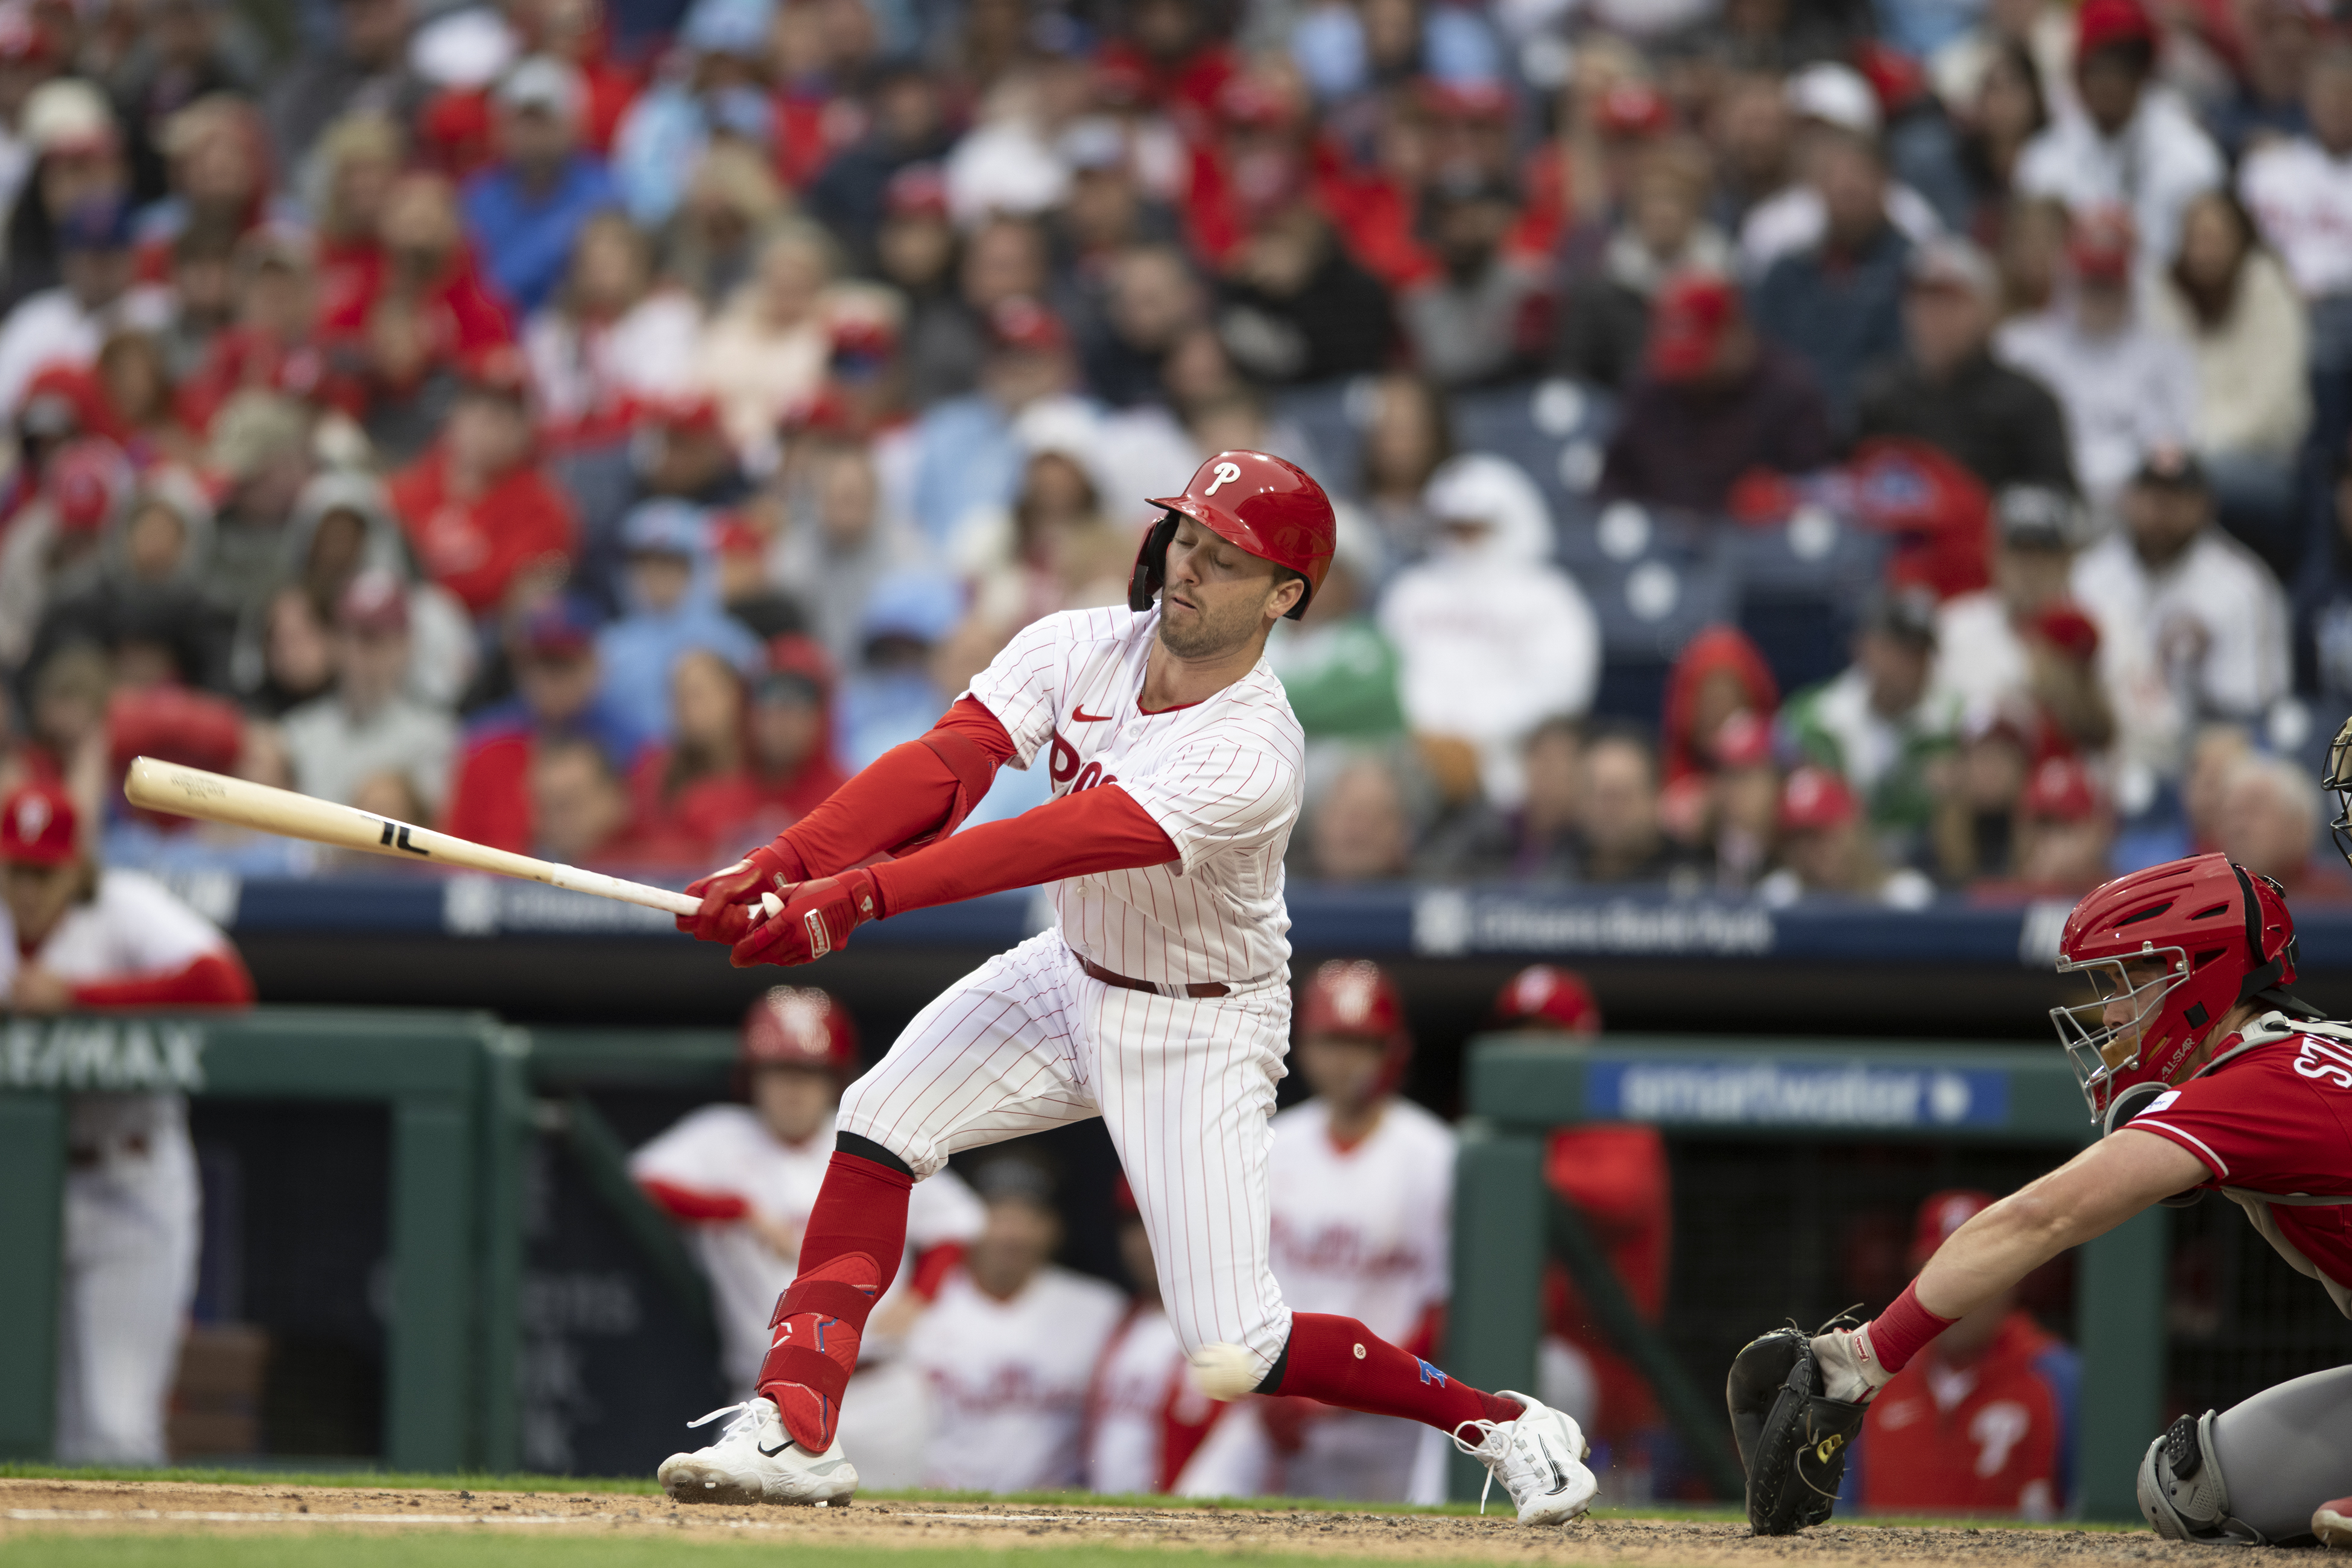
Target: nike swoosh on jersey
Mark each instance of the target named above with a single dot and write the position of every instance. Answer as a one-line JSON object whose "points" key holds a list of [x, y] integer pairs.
{"points": [[1083, 717]]}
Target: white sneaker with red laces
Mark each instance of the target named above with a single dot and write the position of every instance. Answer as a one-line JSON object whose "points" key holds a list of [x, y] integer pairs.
{"points": [[2331, 1523], [756, 1460], [1539, 1458]]}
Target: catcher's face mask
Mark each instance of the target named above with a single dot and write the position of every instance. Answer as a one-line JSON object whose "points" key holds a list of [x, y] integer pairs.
{"points": [[2106, 1038], [2339, 782]]}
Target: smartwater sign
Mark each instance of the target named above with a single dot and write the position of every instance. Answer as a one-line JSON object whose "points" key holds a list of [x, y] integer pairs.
{"points": [[1794, 1094]]}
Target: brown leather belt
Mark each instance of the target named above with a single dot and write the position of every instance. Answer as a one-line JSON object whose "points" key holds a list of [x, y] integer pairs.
{"points": [[1199, 988]]}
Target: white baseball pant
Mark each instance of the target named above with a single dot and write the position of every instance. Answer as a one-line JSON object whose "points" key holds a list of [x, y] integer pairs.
{"points": [[1185, 1087]]}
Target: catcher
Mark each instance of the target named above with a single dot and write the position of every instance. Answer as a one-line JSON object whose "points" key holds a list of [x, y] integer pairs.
{"points": [[2203, 1072]]}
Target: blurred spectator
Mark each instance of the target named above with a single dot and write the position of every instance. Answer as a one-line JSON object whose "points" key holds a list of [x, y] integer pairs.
{"points": [[676, 448], [364, 68], [1929, 1442], [730, 208], [1339, 670], [1358, 829], [2269, 823], [2065, 833], [1997, 119], [716, 90], [526, 210], [54, 545], [671, 594], [907, 126], [1010, 1345], [259, 456], [2323, 601], [1052, 549], [144, 599], [477, 507], [1837, 152], [557, 677], [1721, 672], [2232, 302], [609, 339], [2037, 530], [580, 813], [1406, 438], [1836, 303], [1713, 402], [134, 377], [1976, 825], [1002, 260], [291, 658], [2199, 605], [271, 340], [1477, 318], [1826, 848], [2124, 141], [1616, 1175], [75, 935], [1537, 840], [763, 353], [1605, 320], [699, 787], [2300, 190], [741, 1179], [70, 322], [791, 737], [1617, 808], [892, 696], [1150, 300], [1361, 1201], [1882, 727], [2125, 386], [968, 451], [836, 545], [1532, 648], [1742, 800], [371, 725], [1948, 390], [1297, 308], [78, 163], [1145, 1420]]}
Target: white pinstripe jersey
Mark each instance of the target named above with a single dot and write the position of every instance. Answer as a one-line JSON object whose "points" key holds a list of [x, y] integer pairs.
{"points": [[1221, 777]]}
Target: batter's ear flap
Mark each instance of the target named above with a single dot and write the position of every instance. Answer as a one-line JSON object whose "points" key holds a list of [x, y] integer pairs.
{"points": [[1150, 564]]}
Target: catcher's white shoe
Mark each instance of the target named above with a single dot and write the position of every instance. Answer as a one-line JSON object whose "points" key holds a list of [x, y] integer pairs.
{"points": [[756, 1460], [1538, 1457]]}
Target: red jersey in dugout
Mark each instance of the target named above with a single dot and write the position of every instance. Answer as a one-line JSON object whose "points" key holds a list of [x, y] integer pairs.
{"points": [[2276, 1119], [1995, 1437]]}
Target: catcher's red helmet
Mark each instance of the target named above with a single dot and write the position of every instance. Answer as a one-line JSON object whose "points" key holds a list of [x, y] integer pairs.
{"points": [[2168, 950], [1355, 998], [1547, 995], [1271, 509], [800, 1027]]}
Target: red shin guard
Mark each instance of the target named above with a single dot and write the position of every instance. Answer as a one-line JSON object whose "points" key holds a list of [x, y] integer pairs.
{"points": [[1339, 1362], [849, 1255]]}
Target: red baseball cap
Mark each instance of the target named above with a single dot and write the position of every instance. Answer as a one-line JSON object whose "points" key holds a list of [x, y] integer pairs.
{"points": [[2100, 245], [918, 190], [1743, 741], [1815, 798], [1632, 109], [2060, 790], [1688, 322], [2065, 627], [37, 827], [375, 601], [84, 481], [800, 1027], [1021, 324], [1942, 1214], [1545, 993], [1479, 100], [2103, 23], [496, 368]]}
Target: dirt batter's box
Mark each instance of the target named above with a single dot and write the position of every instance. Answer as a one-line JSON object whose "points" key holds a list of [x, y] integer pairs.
{"points": [[1519, 1090]]}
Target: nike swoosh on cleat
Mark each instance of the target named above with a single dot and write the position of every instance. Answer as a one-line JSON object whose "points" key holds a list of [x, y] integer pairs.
{"points": [[779, 1449], [1559, 1479]]}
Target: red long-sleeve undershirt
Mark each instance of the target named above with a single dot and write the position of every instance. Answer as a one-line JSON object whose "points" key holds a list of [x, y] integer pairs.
{"points": [[210, 980], [914, 794]]}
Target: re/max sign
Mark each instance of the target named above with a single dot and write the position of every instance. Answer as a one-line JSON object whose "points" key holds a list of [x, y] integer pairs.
{"points": [[102, 1055]]}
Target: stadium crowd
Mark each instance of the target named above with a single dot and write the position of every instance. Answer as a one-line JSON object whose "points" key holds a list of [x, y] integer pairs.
{"points": [[1788, 446]]}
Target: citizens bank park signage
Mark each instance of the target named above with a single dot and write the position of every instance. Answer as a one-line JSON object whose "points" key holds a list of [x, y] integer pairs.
{"points": [[102, 1055]]}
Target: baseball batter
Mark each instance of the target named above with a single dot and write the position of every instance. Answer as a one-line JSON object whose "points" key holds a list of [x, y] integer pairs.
{"points": [[742, 1179], [2206, 1074], [1159, 1001], [74, 936]]}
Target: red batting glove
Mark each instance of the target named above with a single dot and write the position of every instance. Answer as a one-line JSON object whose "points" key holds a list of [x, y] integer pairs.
{"points": [[816, 919], [730, 897]]}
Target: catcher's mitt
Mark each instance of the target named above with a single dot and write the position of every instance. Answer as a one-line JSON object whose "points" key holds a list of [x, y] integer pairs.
{"points": [[1792, 1440]]}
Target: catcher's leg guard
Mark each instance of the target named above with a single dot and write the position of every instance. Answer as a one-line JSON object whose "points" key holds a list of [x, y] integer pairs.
{"points": [[2253, 1473]]}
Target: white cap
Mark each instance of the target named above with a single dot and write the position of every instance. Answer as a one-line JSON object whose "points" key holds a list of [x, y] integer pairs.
{"points": [[1835, 95], [545, 83], [65, 114]]}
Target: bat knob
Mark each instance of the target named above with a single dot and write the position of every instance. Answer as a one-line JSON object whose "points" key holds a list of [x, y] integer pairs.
{"points": [[771, 906]]}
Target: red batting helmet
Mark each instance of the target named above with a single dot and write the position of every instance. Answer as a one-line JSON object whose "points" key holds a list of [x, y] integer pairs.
{"points": [[1271, 509], [1355, 998], [800, 1027], [2168, 950], [1546, 995]]}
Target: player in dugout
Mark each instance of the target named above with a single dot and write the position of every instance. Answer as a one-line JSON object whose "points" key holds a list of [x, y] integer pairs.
{"points": [[1158, 1001], [2204, 1073], [74, 936], [741, 1179]]}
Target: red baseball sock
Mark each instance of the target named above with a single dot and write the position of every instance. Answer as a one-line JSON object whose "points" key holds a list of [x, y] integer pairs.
{"points": [[1339, 1362], [849, 1255]]}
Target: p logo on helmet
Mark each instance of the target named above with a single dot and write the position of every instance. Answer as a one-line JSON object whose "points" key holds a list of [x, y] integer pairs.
{"points": [[1254, 502]]}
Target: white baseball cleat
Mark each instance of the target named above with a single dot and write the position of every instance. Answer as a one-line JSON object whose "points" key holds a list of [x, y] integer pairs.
{"points": [[756, 1460], [1538, 1457]]}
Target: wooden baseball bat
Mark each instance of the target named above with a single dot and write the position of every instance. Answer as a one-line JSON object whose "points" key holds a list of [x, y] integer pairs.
{"points": [[192, 791]]}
